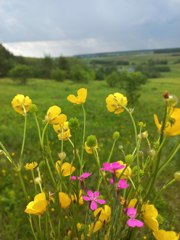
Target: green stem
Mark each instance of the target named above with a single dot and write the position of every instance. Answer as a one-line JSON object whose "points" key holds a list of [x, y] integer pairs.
{"points": [[32, 228], [161, 142], [38, 127], [43, 134], [23, 142], [22, 184], [112, 149], [83, 139], [173, 153]]}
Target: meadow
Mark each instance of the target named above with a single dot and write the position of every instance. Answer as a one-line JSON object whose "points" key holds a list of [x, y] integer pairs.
{"points": [[45, 93]]}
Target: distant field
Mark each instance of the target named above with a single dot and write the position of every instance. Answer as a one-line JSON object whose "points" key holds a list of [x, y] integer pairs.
{"points": [[45, 93]]}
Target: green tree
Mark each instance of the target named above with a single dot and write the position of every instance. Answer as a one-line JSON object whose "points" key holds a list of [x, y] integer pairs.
{"points": [[58, 74], [21, 72]]}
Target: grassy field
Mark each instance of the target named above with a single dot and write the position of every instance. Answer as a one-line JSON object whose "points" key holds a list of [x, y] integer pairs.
{"points": [[45, 93]]}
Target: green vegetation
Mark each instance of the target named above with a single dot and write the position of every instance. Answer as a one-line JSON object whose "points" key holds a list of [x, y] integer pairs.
{"points": [[66, 79]]}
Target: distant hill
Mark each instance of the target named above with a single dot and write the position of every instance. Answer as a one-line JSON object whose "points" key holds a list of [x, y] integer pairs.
{"points": [[131, 52]]}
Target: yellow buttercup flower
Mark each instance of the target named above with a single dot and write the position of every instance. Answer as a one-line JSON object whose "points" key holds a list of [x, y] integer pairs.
{"points": [[62, 130], [21, 104], [104, 214], [126, 173], [64, 200], [165, 235], [38, 206], [116, 103], [54, 115], [30, 166], [65, 169], [172, 127], [150, 213], [80, 98]]}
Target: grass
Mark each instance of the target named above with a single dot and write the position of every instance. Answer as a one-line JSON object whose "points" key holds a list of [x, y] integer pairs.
{"points": [[101, 123]]}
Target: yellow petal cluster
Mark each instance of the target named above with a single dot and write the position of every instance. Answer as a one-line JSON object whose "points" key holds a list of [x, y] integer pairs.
{"points": [[126, 173], [65, 169], [38, 206], [54, 115], [80, 98], [172, 127], [104, 214], [30, 166], [62, 130], [65, 200], [21, 104], [150, 213], [116, 103], [165, 235]]}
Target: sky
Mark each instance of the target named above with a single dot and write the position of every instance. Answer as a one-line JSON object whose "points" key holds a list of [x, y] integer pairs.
{"points": [[37, 28]]}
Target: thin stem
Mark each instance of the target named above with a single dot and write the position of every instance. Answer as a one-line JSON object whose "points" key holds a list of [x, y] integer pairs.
{"points": [[22, 184], [38, 127], [24, 138], [32, 228], [83, 139], [112, 149]]}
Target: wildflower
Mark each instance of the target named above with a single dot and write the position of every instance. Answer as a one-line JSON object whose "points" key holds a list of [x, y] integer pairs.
{"points": [[93, 198], [38, 206], [21, 104], [116, 103], [80, 98], [150, 213], [177, 176], [112, 167], [104, 214], [172, 127], [165, 235], [65, 169], [64, 200], [54, 115], [62, 130], [30, 166], [90, 149], [133, 222], [123, 173], [122, 184], [81, 177]]}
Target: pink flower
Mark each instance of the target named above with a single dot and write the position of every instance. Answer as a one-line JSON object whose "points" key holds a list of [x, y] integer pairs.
{"points": [[93, 198], [81, 177], [122, 184], [133, 222], [112, 167]]}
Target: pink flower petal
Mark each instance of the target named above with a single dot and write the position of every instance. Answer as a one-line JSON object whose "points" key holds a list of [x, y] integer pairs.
{"points": [[131, 212], [85, 175], [111, 180], [87, 198], [90, 193], [101, 201], [93, 205], [117, 166], [122, 184], [134, 223], [96, 194], [73, 178]]}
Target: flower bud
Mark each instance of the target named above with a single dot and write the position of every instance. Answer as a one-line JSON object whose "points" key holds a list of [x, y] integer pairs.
{"points": [[116, 135], [129, 159], [74, 123], [91, 141], [37, 180], [144, 134], [177, 176], [33, 108], [62, 155]]}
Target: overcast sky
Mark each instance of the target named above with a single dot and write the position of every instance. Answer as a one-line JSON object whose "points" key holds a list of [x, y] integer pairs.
{"points": [[69, 27]]}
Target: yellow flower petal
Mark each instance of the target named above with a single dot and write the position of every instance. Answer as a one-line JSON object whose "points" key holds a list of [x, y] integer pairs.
{"points": [[150, 213], [173, 124], [165, 235], [116, 103], [80, 98], [38, 206], [65, 169], [21, 104], [30, 166], [53, 114], [64, 200], [126, 173]]}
